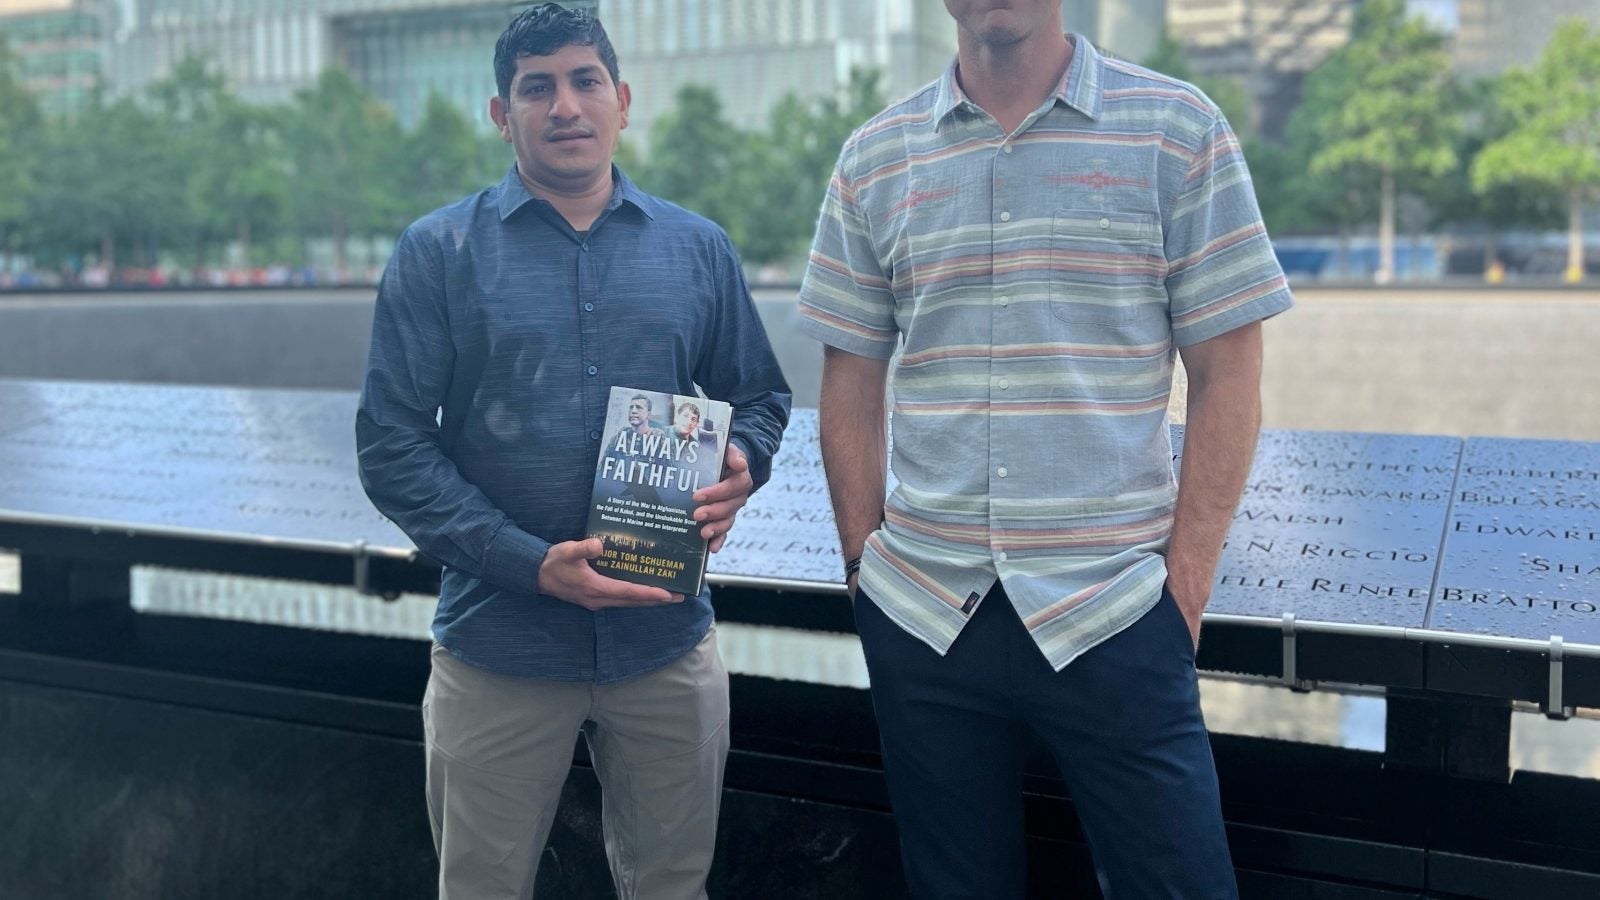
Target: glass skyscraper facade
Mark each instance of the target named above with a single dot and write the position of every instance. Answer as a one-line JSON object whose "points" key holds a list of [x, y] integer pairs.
{"points": [[752, 52], [59, 47], [400, 50], [1130, 29]]}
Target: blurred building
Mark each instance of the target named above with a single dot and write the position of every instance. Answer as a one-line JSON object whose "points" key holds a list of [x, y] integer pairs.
{"points": [[1130, 29], [1494, 35], [400, 50], [753, 52], [1267, 46], [59, 46]]}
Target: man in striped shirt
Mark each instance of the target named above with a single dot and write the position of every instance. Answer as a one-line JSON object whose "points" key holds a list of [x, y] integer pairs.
{"points": [[1038, 233]]}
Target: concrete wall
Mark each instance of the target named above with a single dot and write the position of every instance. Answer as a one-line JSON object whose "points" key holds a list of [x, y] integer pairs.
{"points": [[280, 339], [1465, 362]]}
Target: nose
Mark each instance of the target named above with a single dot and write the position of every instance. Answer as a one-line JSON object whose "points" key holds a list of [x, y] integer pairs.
{"points": [[564, 105]]}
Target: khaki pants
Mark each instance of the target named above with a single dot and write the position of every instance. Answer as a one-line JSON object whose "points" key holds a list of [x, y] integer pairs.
{"points": [[499, 749]]}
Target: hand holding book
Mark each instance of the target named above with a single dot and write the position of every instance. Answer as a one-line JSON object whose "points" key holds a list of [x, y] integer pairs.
{"points": [[721, 502], [666, 488], [567, 575]]}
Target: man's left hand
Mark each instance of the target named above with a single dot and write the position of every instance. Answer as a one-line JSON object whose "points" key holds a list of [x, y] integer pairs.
{"points": [[721, 502], [1191, 602]]}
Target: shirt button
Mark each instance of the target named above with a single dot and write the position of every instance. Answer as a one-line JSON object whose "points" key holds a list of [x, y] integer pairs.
{"points": [[593, 370], [1105, 223], [1002, 556], [1006, 148], [1001, 471], [1004, 383], [1005, 217], [594, 435], [588, 307], [1004, 300]]}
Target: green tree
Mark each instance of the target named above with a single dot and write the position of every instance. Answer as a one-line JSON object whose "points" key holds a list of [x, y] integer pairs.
{"points": [[626, 157], [1453, 198], [445, 158], [1553, 141], [147, 185], [346, 152], [21, 129], [698, 161], [243, 187], [110, 185], [186, 102], [1379, 106], [795, 160], [1228, 94], [763, 187]]}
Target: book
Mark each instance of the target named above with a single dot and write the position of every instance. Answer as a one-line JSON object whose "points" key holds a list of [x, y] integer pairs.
{"points": [[657, 450]]}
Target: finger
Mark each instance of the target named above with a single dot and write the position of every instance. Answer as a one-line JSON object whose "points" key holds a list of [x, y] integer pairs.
{"points": [[735, 460], [590, 548], [717, 542], [711, 526], [627, 592], [718, 512], [735, 486]]}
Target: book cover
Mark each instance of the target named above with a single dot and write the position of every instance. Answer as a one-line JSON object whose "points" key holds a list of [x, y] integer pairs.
{"points": [[657, 450]]}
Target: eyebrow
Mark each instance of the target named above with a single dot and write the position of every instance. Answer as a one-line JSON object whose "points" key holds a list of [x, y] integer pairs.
{"points": [[584, 71]]}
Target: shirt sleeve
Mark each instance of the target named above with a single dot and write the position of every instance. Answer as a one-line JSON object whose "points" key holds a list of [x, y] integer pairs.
{"points": [[736, 365], [1221, 271], [846, 298], [403, 466]]}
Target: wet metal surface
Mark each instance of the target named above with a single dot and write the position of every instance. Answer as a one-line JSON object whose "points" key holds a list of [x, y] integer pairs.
{"points": [[1338, 527], [786, 530], [265, 465], [1333, 526], [1522, 553], [254, 464]]}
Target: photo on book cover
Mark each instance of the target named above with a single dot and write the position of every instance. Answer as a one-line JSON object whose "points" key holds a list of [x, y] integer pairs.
{"points": [[657, 450]]}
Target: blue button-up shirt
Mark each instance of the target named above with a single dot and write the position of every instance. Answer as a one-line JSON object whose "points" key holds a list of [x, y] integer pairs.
{"points": [[498, 334]]}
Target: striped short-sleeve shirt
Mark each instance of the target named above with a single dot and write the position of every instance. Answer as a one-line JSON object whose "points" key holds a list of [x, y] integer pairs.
{"points": [[1036, 286]]}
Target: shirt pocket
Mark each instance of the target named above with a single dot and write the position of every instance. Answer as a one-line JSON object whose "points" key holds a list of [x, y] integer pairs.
{"points": [[1103, 265]]}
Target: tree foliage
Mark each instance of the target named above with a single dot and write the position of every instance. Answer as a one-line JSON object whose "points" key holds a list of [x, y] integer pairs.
{"points": [[346, 152], [1378, 110], [185, 170], [763, 187], [1228, 94], [1551, 139], [21, 127]]}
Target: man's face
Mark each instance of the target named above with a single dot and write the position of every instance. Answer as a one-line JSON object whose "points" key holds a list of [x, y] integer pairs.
{"points": [[1002, 22], [688, 421], [563, 117], [638, 413]]}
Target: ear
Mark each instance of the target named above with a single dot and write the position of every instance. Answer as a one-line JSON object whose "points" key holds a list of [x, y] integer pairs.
{"points": [[624, 99], [497, 114]]}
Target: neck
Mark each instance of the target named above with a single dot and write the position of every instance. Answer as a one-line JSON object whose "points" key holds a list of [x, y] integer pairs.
{"points": [[579, 204], [1010, 81]]}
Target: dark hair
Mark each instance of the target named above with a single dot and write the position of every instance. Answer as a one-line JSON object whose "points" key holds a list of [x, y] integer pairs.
{"points": [[542, 30], [647, 403]]}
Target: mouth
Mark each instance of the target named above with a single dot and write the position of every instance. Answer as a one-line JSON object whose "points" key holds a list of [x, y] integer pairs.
{"points": [[561, 137]]}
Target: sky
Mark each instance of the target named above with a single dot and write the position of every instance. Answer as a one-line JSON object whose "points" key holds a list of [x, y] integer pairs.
{"points": [[1443, 14], [22, 6]]}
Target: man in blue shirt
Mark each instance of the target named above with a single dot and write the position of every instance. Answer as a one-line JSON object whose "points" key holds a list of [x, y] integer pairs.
{"points": [[502, 323]]}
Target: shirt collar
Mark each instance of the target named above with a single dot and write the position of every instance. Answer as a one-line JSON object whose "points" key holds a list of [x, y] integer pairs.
{"points": [[513, 194], [1080, 87]]}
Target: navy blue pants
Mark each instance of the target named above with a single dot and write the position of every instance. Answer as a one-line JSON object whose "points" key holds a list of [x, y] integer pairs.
{"points": [[1122, 721]]}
